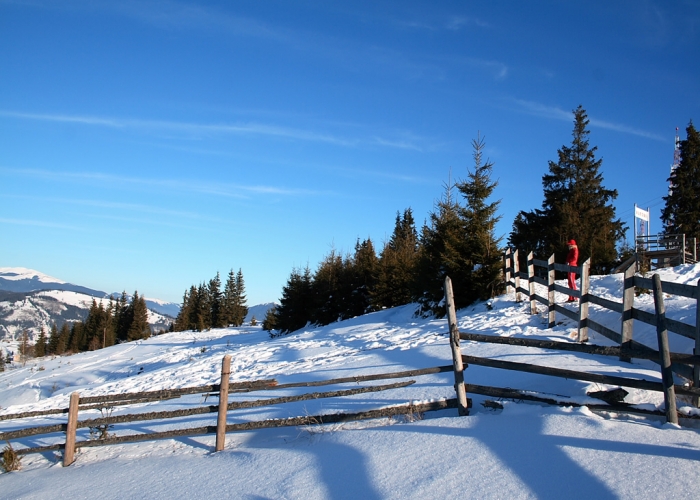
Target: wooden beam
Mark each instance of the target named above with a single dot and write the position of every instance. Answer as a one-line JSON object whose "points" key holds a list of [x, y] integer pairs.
{"points": [[575, 375], [662, 335], [69, 448], [454, 345], [223, 403]]}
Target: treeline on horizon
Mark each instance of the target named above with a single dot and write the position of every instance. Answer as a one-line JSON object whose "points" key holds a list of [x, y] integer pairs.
{"points": [[458, 239], [206, 306], [121, 321]]}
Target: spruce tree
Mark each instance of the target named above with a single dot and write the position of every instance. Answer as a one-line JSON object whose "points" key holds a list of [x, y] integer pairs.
{"points": [[122, 317], [328, 298], [681, 215], [216, 313], [64, 337], [229, 299], [139, 328], [40, 346], [480, 219], [52, 347], [181, 323], [78, 340], [576, 205], [240, 307], [362, 273], [296, 305], [270, 321], [397, 263], [443, 253]]}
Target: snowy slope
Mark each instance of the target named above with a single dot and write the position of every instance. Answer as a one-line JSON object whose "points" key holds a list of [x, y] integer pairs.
{"points": [[522, 451]]}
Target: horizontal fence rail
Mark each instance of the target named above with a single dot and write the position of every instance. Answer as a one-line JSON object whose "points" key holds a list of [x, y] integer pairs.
{"points": [[107, 401]]}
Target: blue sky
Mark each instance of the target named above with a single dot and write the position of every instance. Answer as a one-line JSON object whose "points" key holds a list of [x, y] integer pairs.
{"points": [[149, 144]]}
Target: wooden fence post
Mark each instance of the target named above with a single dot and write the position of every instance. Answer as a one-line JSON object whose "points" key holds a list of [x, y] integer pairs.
{"points": [[551, 318], [627, 305], [696, 351], [662, 334], [462, 407], [583, 302], [69, 450], [516, 275], [506, 270], [223, 403], [531, 282]]}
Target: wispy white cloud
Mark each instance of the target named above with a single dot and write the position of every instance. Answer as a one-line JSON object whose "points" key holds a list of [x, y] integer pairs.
{"points": [[117, 206], [556, 113], [198, 129], [456, 23], [230, 190], [168, 14], [38, 223]]}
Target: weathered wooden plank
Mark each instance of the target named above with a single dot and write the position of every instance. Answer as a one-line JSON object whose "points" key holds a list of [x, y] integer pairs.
{"points": [[162, 415], [566, 312], [583, 303], [531, 283], [69, 448], [366, 378], [173, 393], [454, 346], [27, 414], [602, 302], [223, 403], [551, 314], [540, 281], [541, 300], [639, 351], [643, 316], [397, 410], [567, 291], [604, 330], [662, 335], [519, 395], [575, 375], [540, 263], [680, 328], [32, 431], [675, 326]]}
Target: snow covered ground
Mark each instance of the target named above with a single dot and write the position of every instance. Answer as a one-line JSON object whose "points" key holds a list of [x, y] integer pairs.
{"points": [[523, 451]]}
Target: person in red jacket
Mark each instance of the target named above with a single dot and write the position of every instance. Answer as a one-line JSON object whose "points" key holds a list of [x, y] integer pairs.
{"points": [[572, 260]]}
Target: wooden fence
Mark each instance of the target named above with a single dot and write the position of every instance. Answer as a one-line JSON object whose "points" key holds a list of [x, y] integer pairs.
{"points": [[222, 391], [628, 313], [627, 351]]}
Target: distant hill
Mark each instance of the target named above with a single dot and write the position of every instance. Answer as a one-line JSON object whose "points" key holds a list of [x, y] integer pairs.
{"points": [[30, 300], [21, 279], [259, 312]]}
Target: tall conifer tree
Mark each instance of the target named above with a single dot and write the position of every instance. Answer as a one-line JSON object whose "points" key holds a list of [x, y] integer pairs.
{"points": [[576, 205], [681, 215]]}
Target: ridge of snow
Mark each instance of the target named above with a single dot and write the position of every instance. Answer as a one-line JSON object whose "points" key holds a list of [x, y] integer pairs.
{"points": [[22, 273]]}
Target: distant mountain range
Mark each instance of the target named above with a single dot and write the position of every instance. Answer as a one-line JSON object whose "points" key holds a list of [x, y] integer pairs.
{"points": [[31, 300]]}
